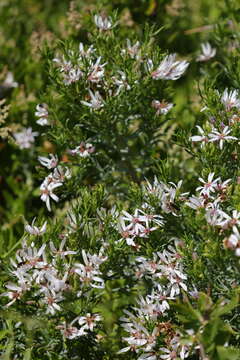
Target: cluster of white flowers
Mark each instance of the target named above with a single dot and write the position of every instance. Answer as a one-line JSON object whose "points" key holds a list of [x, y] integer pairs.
{"points": [[165, 272], [219, 136], [89, 272], [137, 225], [212, 193], [53, 180], [166, 194], [38, 276], [221, 133]]}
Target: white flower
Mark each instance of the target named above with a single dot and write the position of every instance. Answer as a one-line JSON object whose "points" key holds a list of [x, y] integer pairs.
{"points": [[25, 138], [162, 107], [214, 215], [51, 299], [89, 321], [34, 230], [9, 81], [60, 173], [121, 83], [42, 113], [61, 253], [83, 150], [216, 135], [200, 138], [132, 50], [89, 272], [209, 185], [96, 100], [207, 52], [85, 53], [65, 65], [72, 76], [15, 293], [48, 163], [195, 202], [230, 221], [230, 99], [103, 22], [169, 69], [234, 239], [47, 188], [96, 72], [69, 331]]}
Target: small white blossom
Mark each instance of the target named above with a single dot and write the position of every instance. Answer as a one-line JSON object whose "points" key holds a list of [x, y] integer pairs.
{"points": [[96, 72], [221, 136], [203, 138], [72, 76], [9, 82], [34, 230], [89, 321], [230, 99], [42, 113], [208, 186], [162, 107], [103, 22], [83, 150], [25, 138], [96, 101], [207, 52], [49, 163], [47, 188], [169, 69]]}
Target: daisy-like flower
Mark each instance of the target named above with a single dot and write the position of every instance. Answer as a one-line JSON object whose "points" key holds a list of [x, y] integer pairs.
{"points": [[132, 50], [34, 230], [51, 299], [207, 52], [103, 22], [83, 150], [96, 101], [230, 221], [195, 202], [60, 252], [121, 83], [63, 64], [89, 321], [216, 135], [69, 331], [72, 76], [85, 53], [230, 99], [61, 173], [15, 292], [49, 163], [47, 188], [25, 138], [208, 186], [96, 72], [42, 113], [203, 138], [162, 107], [169, 69]]}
